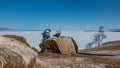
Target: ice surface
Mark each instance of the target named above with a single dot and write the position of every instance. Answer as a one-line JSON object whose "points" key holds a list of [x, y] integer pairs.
{"points": [[81, 38]]}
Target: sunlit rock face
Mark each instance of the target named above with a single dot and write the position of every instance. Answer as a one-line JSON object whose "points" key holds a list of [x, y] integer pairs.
{"points": [[62, 45], [21, 39], [15, 54], [18, 38]]}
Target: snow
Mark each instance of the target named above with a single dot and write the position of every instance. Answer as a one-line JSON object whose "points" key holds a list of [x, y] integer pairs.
{"points": [[81, 38]]}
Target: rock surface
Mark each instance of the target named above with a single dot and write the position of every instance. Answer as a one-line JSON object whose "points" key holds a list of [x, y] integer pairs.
{"points": [[18, 38], [68, 61], [63, 45], [15, 54]]}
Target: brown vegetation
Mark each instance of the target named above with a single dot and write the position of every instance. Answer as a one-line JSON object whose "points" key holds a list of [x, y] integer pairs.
{"points": [[109, 61], [67, 61], [112, 45], [109, 48]]}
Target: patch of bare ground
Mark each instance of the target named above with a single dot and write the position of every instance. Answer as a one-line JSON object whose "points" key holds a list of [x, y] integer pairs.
{"points": [[112, 45], [110, 52], [52, 60], [110, 62]]}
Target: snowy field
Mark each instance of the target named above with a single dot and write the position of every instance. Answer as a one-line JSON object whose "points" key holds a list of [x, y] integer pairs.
{"points": [[81, 38]]}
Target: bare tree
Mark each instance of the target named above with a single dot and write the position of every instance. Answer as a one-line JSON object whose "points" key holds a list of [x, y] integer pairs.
{"points": [[89, 45], [98, 38]]}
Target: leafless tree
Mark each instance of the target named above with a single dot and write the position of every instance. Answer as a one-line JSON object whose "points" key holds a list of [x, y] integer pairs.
{"points": [[100, 35], [98, 38]]}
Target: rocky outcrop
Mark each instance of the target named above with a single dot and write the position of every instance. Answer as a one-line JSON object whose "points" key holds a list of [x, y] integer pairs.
{"points": [[68, 61], [18, 38], [6, 56], [15, 54], [38, 63], [34, 49], [21, 39], [62, 45]]}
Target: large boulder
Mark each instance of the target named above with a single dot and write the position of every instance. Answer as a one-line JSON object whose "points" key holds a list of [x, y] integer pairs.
{"points": [[62, 45], [15, 54], [10, 59], [21, 39], [18, 38]]}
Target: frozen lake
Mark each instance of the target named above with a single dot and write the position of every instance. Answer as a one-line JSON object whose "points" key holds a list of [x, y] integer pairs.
{"points": [[81, 38]]}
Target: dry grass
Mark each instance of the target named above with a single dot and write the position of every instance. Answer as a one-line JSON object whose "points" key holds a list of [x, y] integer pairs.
{"points": [[67, 61], [113, 45], [53, 60], [110, 63]]}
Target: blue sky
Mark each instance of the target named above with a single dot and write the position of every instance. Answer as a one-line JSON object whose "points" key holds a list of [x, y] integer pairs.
{"points": [[59, 14]]}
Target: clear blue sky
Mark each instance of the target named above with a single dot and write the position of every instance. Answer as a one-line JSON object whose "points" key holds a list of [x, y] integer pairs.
{"points": [[55, 14]]}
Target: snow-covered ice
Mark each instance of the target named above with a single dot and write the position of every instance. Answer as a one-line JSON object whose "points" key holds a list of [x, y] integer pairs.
{"points": [[81, 38]]}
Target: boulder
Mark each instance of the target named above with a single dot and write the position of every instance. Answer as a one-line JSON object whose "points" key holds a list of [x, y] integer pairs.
{"points": [[21, 39], [38, 63], [18, 38], [15, 54], [62, 45], [34, 49], [10, 59]]}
